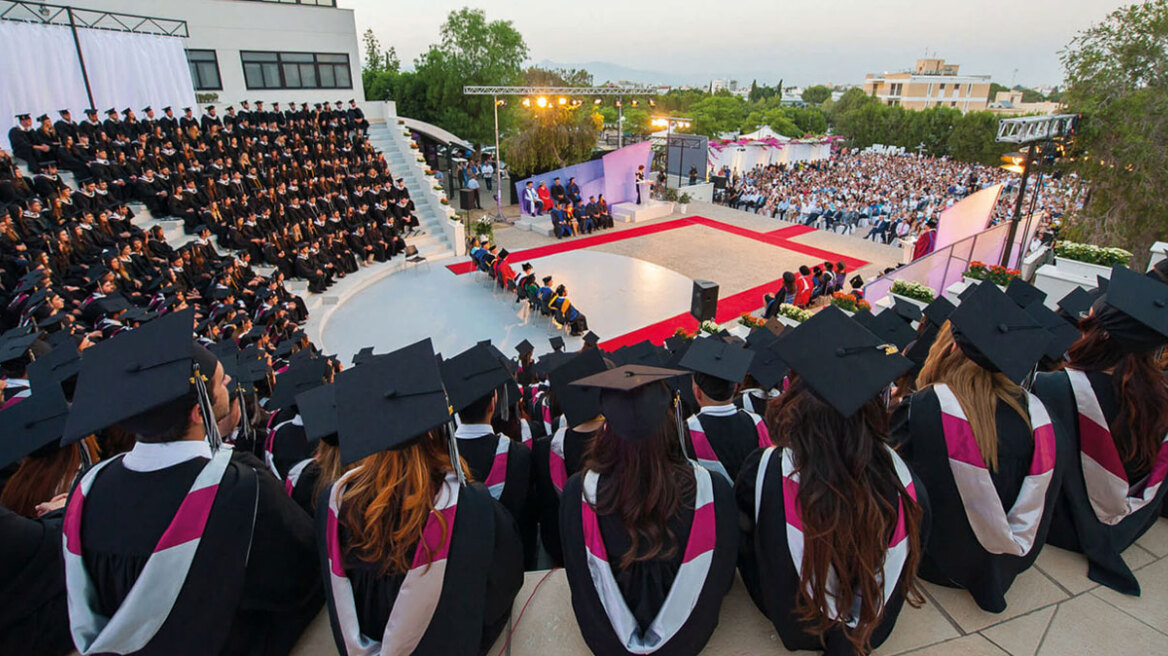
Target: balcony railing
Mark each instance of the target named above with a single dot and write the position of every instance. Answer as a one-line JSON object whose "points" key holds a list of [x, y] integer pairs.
{"points": [[68, 16]]}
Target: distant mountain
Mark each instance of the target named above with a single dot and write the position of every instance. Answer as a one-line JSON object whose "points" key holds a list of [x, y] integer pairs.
{"points": [[603, 72]]}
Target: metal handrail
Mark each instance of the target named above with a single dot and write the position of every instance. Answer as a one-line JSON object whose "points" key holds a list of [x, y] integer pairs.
{"points": [[94, 19]]}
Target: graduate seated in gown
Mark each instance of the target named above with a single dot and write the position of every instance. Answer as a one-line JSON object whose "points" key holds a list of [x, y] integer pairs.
{"points": [[650, 537], [984, 447], [476, 381], [417, 559], [560, 454], [567, 313], [857, 508], [720, 435], [180, 546], [1112, 400]]}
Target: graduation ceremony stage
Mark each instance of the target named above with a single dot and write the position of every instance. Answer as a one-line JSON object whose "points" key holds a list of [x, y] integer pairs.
{"points": [[632, 282]]}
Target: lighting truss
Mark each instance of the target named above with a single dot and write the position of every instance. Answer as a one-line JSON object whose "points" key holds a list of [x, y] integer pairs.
{"points": [[48, 14], [1030, 129], [559, 91]]}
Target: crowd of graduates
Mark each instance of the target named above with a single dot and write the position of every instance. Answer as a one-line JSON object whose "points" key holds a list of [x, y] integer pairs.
{"points": [[299, 189], [166, 492], [541, 296]]}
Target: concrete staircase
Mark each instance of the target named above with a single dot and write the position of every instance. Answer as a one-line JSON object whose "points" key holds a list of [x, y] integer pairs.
{"points": [[649, 210], [388, 139]]}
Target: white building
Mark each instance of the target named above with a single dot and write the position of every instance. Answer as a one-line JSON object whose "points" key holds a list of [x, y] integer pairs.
{"points": [[275, 51]]}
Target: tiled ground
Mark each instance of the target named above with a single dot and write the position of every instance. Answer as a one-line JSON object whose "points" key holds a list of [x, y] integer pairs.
{"points": [[1054, 610]]}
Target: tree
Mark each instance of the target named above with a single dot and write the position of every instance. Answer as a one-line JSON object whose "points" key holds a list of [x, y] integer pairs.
{"points": [[372, 60], [551, 138], [816, 95], [536, 76], [472, 51], [716, 114], [1117, 78]]}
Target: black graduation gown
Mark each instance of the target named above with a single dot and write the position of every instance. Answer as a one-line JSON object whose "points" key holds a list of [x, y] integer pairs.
{"points": [[304, 491], [276, 594], [645, 584], [1074, 525], [484, 572], [732, 437], [479, 454], [34, 619], [770, 575], [548, 500], [953, 556]]}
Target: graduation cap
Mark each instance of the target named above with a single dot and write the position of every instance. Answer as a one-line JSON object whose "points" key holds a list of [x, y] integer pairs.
{"points": [[642, 353], [939, 310], [33, 424], [994, 332], [301, 376], [1062, 334], [111, 111], [91, 112], [318, 411], [16, 346], [633, 398], [112, 304], [42, 117], [186, 109], [591, 338], [23, 117], [471, 375], [557, 343], [1075, 305], [840, 360], [54, 367], [145, 109], [965, 293], [63, 112], [1023, 293], [209, 107], [716, 358], [676, 343], [525, 347], [580, 405], [1135, 310], [892, 328], [767, 368], [910, 312], [863, 317], [54, 320], [141, 379], [166, 109], [139, 314], [389, 402], [549, 362], [363, 356]]}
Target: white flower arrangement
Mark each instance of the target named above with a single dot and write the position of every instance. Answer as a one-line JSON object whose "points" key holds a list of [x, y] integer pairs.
{"points": [[709, 327], [913, 290], [794, 313], [1092, 254]]}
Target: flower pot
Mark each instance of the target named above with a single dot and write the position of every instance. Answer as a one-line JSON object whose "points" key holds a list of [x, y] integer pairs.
{"points": [[787, 321], [1085, 269], [921, 304], [974, 281], [682, 209], [847, 312]]}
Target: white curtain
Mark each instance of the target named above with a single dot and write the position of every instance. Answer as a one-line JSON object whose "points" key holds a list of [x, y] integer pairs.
{"points": [[41, 73]]}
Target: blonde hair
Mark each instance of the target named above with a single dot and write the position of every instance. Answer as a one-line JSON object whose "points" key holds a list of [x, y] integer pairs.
{"points": [[977, 390]]}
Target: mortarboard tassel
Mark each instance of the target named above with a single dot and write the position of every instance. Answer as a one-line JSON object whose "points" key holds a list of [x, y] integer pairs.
{"points": [[455, 460], [207, 410]]}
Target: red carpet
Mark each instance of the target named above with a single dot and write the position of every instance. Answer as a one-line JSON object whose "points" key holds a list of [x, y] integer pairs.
{"points": [[729, 307]]}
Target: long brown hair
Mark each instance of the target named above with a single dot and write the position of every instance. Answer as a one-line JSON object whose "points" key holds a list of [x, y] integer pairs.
{"points": [[645, 485], [39, 479], [977, 390], [1139, 387], [387, 503], [328, 458], [847, 491]]}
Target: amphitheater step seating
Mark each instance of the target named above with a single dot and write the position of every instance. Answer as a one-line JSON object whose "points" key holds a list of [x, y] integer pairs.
{"points": [[633, 213]]}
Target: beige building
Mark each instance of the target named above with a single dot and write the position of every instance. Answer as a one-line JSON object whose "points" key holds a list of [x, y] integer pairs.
{"points": [[1009, 103], [932, 83]]}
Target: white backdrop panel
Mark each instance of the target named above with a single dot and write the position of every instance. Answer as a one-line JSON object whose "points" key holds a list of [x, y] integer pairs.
{"points": [[41, 74]]}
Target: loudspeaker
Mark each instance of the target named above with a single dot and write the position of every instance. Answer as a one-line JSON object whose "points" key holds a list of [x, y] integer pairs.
{"points": [[719, 181], [705, 300], [466, 199]]}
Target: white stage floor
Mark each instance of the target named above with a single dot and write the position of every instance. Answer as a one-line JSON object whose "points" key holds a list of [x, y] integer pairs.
{"points": [[618, 294]]}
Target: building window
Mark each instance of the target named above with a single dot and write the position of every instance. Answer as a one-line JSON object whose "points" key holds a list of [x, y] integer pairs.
{"points": [[296, 70], [204, 70]]}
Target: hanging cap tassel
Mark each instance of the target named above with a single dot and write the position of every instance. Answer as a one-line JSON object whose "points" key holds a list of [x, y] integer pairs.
{"points": [[207, 410], [455, 460], [677, 419], [505, 409]]}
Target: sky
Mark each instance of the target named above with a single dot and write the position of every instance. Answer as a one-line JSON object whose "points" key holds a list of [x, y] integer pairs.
{"points": [[806, 42]]}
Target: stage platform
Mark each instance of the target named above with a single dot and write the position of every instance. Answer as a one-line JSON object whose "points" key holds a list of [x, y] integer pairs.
{"points": [[633, 282]]}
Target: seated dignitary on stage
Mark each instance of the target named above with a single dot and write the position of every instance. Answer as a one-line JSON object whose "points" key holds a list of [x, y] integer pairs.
{"points": [[473, 380], [857, 521], [650, 538], [562, 454], [181, 546], [417, 560], [1112, 400], [984, 447], [720, 435], [34, 619]]}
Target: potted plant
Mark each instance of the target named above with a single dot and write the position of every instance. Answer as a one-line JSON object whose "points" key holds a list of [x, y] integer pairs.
{"points": [[685, 334], [792, 316], [1087, 259], [683, 202], [710, 328], [750, 321], [848, 303], [483, 228], [999, 275], [913, 292]]}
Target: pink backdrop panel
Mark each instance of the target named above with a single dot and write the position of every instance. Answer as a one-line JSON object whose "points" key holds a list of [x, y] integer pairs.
{"points": [[968, 217]]}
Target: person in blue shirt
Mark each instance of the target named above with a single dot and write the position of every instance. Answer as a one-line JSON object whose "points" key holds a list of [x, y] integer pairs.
{"points": [[574, 191], [546, 292], [560, 225], [571, 316]]}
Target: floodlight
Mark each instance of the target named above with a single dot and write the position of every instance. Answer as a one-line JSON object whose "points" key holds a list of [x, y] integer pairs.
{"points": [[527, 102], [563, 100], [542, 101]]}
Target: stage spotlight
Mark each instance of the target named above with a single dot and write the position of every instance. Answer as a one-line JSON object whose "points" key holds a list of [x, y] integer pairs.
{"points": [[634, 103], [563, 100], [652, 103], [597, 101], [576, 102], [541, 101], [527, 102], [501, 102], [618, 103]]}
